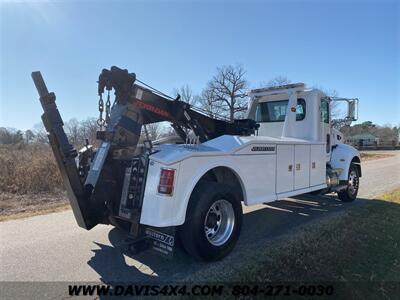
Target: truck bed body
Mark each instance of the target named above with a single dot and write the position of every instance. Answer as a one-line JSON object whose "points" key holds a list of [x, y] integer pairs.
{"points": [[268, 168]]}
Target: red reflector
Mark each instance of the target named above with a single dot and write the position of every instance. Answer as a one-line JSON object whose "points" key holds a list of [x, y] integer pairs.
{"points": [[166, 185]]}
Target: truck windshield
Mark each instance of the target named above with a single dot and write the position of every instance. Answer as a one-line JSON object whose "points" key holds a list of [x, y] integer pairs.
{"points": [[275, 111]]}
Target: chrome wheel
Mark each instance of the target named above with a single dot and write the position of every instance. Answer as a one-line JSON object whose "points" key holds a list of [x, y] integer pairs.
{"points": [[353, 182], [219, 222]]}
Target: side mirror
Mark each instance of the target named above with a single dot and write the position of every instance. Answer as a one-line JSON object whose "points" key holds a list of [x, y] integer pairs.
{"points": [[352, 112]]}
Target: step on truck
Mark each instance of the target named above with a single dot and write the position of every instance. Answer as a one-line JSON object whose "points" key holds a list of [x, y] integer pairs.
{"points": [[192, 186]]}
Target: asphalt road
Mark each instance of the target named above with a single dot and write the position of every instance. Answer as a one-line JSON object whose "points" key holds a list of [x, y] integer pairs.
{"points": [[53, 248]]}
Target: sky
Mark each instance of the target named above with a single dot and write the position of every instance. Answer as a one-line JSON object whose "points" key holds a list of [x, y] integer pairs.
{"points": [[350, 46]]}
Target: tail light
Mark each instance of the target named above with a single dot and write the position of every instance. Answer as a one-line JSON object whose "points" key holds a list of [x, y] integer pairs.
{"points": [[166, 184]]}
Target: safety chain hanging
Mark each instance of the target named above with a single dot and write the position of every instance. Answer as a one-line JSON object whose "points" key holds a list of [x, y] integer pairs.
{"points": [[101, 121], [106, 120], [108, 108]]}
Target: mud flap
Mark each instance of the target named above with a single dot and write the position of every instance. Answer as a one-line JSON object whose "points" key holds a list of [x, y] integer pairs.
{"points": [[162, 240], [65, 155]]}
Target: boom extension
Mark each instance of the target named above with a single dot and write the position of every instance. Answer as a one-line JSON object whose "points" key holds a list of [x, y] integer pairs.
{"points": [[151, 106]]}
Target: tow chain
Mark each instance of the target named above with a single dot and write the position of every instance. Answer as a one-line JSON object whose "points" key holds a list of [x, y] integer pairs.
{"points": [[101, 121], [108, 108], [106, 120]]}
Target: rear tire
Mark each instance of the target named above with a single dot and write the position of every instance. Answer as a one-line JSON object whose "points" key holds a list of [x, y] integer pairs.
{"points": [[350, 193], [213, 221]]}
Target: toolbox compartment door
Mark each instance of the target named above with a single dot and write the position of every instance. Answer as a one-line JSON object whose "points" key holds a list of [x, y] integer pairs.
{"points": [[317, 165], [285, 170], [301, 166]]}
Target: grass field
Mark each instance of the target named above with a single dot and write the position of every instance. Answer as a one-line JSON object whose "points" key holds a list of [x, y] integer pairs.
{"points": [[359, 249], [28, 169], [30, 182]]}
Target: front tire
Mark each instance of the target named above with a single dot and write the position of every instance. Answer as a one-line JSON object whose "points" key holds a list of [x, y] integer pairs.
{"points": [[351, 191], [213, 221]]}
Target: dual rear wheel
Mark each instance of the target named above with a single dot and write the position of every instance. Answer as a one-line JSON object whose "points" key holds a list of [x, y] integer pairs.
{"points": [[213, 221]]}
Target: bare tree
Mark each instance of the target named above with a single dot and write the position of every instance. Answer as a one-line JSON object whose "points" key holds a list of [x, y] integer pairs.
{"points": [[87, 130], [187, 95], [154, 130], [387, 134], [29, 136], [210, 105], [168, 131], [40, 134], [226, 91], [277, 81], [76, 131], [72, 129], [10, 136]]}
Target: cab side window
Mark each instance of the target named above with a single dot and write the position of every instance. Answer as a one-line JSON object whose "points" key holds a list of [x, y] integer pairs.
{"points": [[275, 111], [325, 111]]}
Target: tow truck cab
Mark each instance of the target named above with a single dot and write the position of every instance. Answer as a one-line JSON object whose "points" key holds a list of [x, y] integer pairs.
{"points": [[312, 121]]}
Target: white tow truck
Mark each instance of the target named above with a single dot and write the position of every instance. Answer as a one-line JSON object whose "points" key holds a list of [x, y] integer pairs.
{"points": [[195, 190]]}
